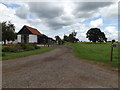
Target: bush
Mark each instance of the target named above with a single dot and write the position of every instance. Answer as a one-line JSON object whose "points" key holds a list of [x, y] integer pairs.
{"points": [[9, 49], [37, 47], [20, 47], [6, 49], [12, 48], [29, 47], [23, 46]]}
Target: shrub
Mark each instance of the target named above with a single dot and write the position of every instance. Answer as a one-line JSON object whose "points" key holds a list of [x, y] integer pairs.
{"points": [[37, 47], [9, 49], [29, 47], [12, 48], [6, 49], [20, 47], [23, 46]]}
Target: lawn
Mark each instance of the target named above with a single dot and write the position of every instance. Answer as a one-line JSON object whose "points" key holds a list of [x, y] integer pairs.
{"points": [[12, 55], [96, 52]]}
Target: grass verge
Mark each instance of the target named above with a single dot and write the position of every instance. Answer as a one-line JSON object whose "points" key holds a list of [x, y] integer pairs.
{"points": [[10, 55], [96, 52]]}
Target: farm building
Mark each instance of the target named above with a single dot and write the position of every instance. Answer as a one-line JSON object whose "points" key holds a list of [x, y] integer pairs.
{"points": [[30, 35]]}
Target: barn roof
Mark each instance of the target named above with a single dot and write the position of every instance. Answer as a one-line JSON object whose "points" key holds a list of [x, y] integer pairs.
{"points": [[33, 30]]}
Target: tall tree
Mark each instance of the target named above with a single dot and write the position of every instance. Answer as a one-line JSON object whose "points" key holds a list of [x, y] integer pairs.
{"points": [[8, 32], [4, 32], [57, 38], [95, 34], [66, 38], [72, 37]]}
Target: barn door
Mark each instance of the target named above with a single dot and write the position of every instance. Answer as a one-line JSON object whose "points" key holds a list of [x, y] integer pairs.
{"points": [[26, 38]]}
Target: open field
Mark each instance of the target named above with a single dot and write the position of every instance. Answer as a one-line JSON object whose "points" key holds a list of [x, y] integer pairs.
{"points": [[96, 52], [11, 55]]}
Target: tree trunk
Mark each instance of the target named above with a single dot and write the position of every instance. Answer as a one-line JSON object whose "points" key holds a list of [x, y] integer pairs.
{"points": [[4, 42]]}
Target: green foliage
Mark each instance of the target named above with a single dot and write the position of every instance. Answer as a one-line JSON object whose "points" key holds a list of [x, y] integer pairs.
{"points": [[3, 54], [11, 55], [28, 47], [71, 38], [36, 47], [57, 38], [23, 46], [95, 34], [96, 52], [8, 31], [6, 49], [19, 47], [9, 49]]}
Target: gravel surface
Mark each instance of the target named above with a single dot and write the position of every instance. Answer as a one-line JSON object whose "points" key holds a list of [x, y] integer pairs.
{"points": [[56, 69]]}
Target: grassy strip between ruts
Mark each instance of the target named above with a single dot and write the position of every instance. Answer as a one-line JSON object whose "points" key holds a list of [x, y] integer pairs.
{"points": [[96, 52], [10, 55]]}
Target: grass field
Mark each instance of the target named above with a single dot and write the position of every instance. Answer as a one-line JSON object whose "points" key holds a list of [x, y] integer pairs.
{"points": [[96, 52], [10, 55]]}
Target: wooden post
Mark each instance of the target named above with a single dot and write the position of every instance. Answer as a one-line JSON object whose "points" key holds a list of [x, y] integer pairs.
{"points": [[111, 55]]}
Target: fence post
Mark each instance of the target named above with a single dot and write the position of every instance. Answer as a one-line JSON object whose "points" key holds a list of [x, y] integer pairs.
{"points": [[111, 55]]}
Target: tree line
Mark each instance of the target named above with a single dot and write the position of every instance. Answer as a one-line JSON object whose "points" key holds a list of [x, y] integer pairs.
{"points": [[93, 34], [70, 38]]}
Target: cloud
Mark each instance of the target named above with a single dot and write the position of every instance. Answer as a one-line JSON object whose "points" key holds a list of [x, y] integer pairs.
{"points": [[46, 9], [96, 23], [22, 11], [81, 30], [111, 32], [6, 13], [34, 22], [89, 9], [109, 12], [60, 22], [88, 6], [57, 15], [53, 18], [54, 15]]}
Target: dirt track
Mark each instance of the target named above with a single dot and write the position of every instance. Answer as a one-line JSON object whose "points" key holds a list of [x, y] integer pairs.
{"points": [[56, 69]]}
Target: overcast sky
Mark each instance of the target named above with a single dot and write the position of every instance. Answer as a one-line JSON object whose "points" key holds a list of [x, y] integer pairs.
{"points": [[59, 18]]}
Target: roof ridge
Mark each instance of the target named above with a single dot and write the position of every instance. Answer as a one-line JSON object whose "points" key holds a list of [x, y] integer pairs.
{"points": [[33, 30], [30, 27]]}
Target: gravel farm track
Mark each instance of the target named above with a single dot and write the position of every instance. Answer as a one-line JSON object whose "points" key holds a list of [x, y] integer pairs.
{"points": [[58, 68]]}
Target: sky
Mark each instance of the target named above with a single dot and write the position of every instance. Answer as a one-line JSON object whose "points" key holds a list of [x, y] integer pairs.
{"points": [[62, 18]]}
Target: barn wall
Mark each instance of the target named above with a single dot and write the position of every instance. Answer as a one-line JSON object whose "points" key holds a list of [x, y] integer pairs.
{"points": [[19, 38], [32, 38]]}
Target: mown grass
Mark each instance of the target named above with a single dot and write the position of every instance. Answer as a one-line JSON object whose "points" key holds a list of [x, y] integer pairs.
{"points": [[12, 55], [96, 52]]}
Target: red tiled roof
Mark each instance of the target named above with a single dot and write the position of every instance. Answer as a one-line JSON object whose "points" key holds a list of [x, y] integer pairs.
{"points": [[33, 30]]}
